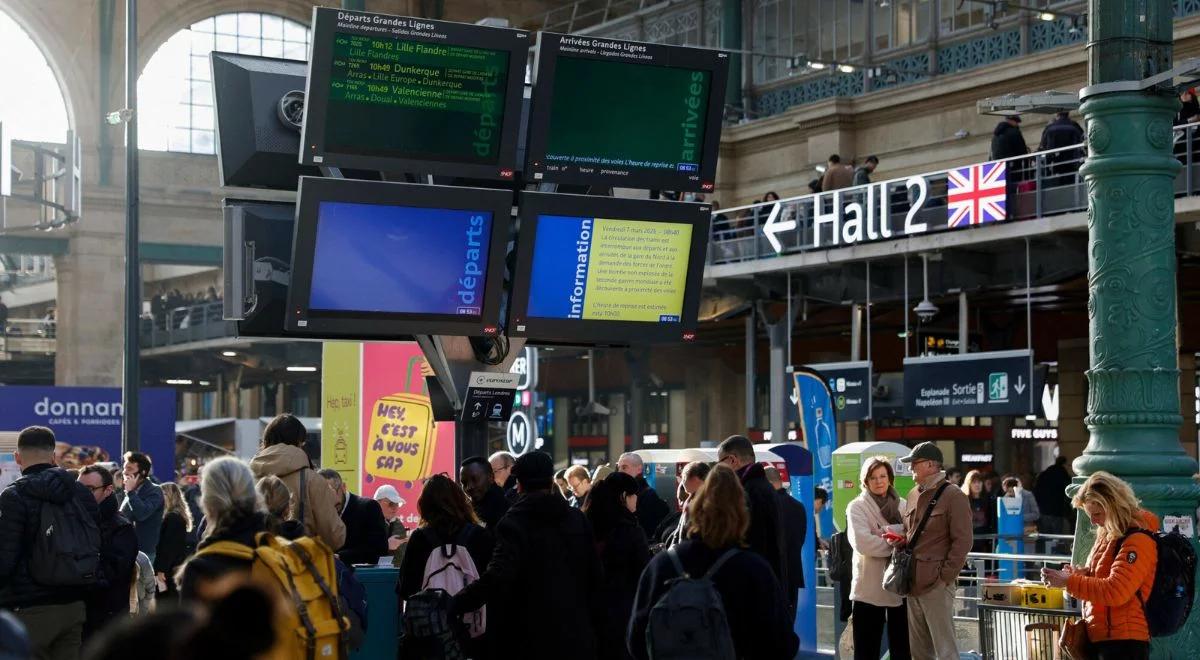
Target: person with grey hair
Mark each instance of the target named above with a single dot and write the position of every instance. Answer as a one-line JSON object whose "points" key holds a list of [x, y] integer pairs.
{"points": [[765, 534], [366, 528], [502, 464], [234, 511], [650, 508]]}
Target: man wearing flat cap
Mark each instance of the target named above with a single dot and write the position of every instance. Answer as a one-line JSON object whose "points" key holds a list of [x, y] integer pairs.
{"points": [[940, 552], [543, 575]]}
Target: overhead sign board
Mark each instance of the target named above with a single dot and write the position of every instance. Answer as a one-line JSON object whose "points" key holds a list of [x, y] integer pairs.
{"points": [[970, 385], [849, 388], [526, 367], [489, 397], [975, 195]]}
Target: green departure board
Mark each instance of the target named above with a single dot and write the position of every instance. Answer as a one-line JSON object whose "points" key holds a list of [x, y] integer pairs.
{"points": [[415, 99]]}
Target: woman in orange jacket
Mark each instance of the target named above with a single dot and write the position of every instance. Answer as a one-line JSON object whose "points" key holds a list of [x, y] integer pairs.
{"points": [[1119, 573]]}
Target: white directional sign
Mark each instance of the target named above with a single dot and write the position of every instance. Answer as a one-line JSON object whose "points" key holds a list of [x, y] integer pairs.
{"points": [[774, 225]]}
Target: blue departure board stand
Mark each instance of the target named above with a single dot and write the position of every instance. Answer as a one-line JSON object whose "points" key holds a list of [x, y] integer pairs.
{"points": [[1010, 528]]}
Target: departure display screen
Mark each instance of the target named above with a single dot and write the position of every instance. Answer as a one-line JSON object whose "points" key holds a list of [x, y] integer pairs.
{"points": [[399, 259]]}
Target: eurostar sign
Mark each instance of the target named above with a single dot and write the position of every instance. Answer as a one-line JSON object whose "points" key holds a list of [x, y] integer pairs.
{"points": [[974, 195]]}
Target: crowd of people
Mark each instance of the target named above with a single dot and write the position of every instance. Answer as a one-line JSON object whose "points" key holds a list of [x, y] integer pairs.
{"points": [[175, 309], [514, 559]]}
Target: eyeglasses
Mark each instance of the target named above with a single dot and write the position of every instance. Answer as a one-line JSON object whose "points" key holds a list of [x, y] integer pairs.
{"points": [[727, 460], [96, 488]]}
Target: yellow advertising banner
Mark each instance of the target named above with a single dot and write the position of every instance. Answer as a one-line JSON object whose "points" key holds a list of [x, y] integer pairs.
{"points": [[341, 382]]}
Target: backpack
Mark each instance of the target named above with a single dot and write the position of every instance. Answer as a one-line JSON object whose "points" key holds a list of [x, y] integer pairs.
{"points": [[427, 620], [301, 572], [66, 548], [1174, 589], [841, 558], [688, 622]]}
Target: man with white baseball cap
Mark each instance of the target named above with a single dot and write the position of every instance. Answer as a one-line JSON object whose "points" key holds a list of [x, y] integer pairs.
{"points": [[389, 500]]}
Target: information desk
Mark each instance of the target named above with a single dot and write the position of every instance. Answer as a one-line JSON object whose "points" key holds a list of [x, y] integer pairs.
{"points": [[383, 612]]}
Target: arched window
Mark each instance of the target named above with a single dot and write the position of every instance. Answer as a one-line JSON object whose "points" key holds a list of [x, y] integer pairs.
{"points": [[36, 112], [175, 98]]}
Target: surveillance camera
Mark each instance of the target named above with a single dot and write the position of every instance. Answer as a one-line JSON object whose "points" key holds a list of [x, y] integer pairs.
{"points": [[926, 310], [291, 110]]}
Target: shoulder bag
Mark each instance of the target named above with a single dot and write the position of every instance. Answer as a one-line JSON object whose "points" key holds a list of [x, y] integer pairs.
{"points": [[902, 569]]}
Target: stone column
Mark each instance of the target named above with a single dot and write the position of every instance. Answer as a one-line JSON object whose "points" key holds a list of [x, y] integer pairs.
{"points": [[1133, 411]]}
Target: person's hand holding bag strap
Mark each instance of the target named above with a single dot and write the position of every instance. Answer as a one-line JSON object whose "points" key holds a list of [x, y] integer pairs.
{"points": [[902, 569]]}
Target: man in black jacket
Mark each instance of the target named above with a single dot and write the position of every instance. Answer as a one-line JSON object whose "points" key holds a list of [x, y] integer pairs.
{"points": [[502, 464], [53, 616], [794, 519], [118, 554], [366, 529], [1061, 133], [650, 508], [765, 535], [543, 575], [475, 475]]}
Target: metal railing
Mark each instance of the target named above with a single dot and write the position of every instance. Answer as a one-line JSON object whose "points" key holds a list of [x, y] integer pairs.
{"points": [[981, 630], [28, 336], [181, 325], [1040, 184], [583, 14]]}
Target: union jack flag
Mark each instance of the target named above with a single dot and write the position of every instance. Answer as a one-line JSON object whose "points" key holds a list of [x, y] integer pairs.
{"points": [[975, 195]]}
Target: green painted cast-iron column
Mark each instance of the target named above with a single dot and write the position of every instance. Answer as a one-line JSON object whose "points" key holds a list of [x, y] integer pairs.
{"points": [[1133, 410]]}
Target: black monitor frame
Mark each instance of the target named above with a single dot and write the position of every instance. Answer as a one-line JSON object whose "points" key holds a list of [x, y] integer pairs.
{"points": [[394, 326], [266, 317], [325, 25], [549, 49], [584, 332]]}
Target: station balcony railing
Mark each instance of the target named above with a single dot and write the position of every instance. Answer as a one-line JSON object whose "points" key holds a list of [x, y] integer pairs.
{"points": [[184, 325], [1042, 184], [28, 337]]}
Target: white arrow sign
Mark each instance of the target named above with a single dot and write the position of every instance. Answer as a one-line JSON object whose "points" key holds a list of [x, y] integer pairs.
{"points": [[1020, 386], [774, 226]]}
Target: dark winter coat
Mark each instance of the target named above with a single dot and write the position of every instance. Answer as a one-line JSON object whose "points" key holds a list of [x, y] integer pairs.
{"points": [[420, 545], [118, 556], [492, 506], [540, 582], [794, 519], [172, 546], [1007, 142], [366, 531], [211, 567], [1050, 491], [765, 535], [758, 616], [20, 505], [623, 553], [650, 507]]}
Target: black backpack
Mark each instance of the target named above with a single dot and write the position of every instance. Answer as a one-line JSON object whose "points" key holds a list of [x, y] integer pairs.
{"points": [[66, 547], [1174, 589], [841, 558]]}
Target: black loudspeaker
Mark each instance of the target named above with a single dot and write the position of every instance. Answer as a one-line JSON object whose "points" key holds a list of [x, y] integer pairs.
{"points": [[258, 265], [260, 106]]}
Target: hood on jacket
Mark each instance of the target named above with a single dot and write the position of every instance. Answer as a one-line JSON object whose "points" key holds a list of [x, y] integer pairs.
{"points": [[542, 506], [278, 460], [49, 484]]}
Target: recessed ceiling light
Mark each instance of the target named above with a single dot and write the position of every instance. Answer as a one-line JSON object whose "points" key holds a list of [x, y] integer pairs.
{"points": [[229, 353], [178, 381], [302, 369]]}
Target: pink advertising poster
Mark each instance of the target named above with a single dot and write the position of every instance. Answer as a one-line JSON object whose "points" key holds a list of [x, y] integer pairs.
{"points": [[401, 444]]}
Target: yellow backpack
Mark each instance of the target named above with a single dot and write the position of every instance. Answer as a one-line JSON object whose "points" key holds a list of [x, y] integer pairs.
{"points": [[311, 623]]}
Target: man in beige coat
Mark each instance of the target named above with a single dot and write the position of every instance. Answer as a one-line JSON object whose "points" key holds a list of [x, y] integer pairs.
{"points": [[283, 455], [941, 553]]}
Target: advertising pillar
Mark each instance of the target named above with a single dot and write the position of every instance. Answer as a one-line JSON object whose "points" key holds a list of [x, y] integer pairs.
{"points": [[799, 464], [817, 432]]}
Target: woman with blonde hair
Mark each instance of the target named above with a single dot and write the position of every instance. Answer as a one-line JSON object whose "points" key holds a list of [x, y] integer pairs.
{"points": [[868, 516], [1119, 574], [277, 498], [172, 540], [755, 607]]}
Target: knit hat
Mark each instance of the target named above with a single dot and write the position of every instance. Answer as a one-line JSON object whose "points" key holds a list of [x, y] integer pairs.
{"points": [[534, 470]]}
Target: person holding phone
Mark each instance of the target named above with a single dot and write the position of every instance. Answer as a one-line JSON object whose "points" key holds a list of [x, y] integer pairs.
{"points": [[875, 517], [144, 502]]}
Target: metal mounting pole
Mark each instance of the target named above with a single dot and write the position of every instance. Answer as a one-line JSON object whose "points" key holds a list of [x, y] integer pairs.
{"points": [[131, 381]]}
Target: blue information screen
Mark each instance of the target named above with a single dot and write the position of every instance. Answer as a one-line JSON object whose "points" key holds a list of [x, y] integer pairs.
{"points": [[399, 259]]}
